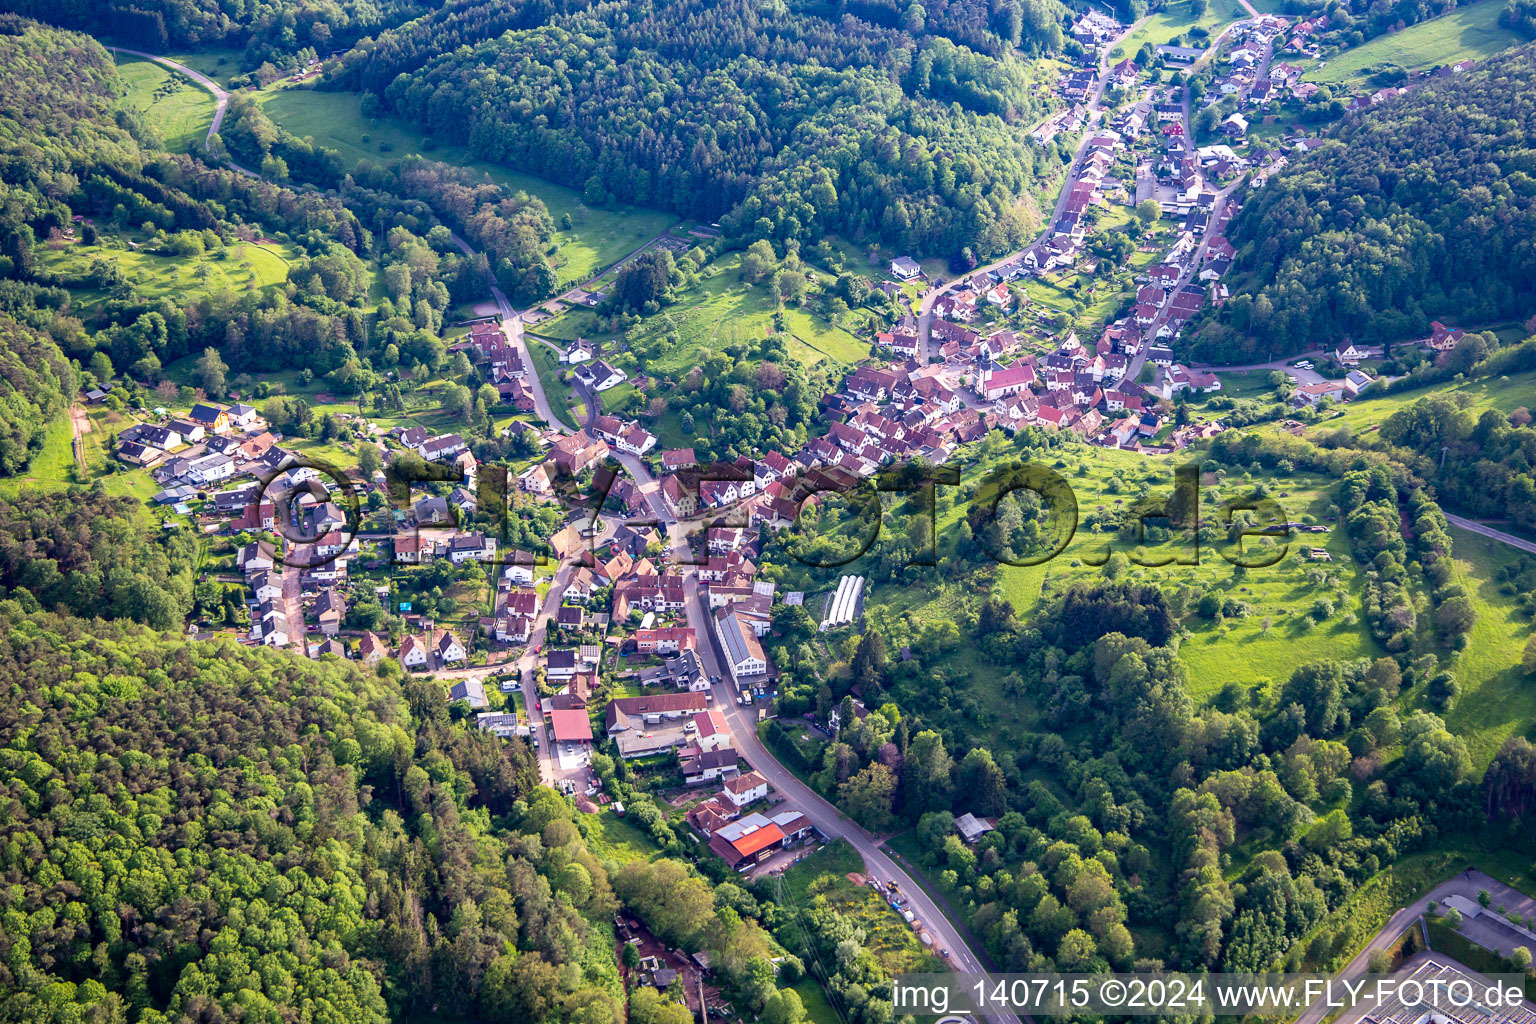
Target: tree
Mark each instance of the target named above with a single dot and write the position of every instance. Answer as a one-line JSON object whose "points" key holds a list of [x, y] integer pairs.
{"points": [[869, 659], [211, 371], [868, 795], [1149, 212], [646, 278], [648, 1006], [926, 774], [982, 787], [784, 1007], [458, 403], [1528, 659], [369, 459]]}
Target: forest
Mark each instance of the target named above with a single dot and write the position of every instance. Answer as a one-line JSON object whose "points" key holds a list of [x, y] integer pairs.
{"points": [[1416, 209], [1234, 828], [207, 830], [783, 121]]}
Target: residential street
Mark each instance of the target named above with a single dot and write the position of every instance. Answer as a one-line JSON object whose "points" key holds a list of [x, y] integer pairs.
{"points": [[828, 819], [1094, 113]]}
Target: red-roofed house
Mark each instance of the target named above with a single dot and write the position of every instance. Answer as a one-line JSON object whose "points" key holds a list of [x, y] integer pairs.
{"points": [[748, 847], [571, 726], [1008, 381]]}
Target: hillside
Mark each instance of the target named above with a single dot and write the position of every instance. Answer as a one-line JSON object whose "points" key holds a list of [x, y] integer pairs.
{"points": [[231, 830], [780, 119], [1420, 208]]}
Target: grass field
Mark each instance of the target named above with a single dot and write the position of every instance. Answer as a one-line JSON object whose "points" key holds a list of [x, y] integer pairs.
{"points": [[1264, 644], [597, 237], [218, 64], [1243, 650], [1472, 30], [817, 1009], [721, 311], [1495, 701], [239, 267], [1503, 393], [50, 467], [1173, 21], [177, 108], [547, 365], [619, 840]]}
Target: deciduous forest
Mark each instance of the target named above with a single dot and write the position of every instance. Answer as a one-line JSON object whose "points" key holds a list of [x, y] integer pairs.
{"points": [[787, 121]]}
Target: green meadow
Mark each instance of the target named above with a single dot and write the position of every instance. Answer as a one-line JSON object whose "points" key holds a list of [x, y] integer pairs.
{"points": [[177, 108], [1495, 701], [1271, 632], [1504, 393], [1470, 31], [243, 266], [1174, 21], [720, 311]]}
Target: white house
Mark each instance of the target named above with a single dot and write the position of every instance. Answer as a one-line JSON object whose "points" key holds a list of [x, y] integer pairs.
{"points": [[743, 653], [243, 416], [744, 789], [449, 648], [905, 268], [600, 375], [211, 469], [1346, 354], [636, 440], [258, 554], [441, 447], [266, 586], [514, 629], [414, 652]]}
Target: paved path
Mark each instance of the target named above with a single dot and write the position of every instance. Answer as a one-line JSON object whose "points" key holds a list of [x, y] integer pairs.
{"points": [[1467, 884], [512, 327], [1517, 543], [220, 97]]}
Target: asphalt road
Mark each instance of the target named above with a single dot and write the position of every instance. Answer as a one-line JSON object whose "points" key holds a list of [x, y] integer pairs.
{"points": [[827, 819], [220, 97], [1517, 543]]}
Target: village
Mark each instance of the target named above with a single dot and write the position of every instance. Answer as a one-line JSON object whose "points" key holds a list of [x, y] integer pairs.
{"points": [[629, 617]]}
